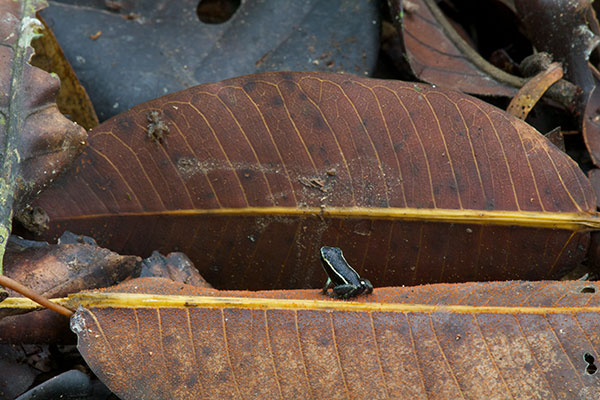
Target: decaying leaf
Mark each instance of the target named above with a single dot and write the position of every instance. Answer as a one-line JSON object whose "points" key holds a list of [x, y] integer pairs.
{"points": [[16, 374], [37, 140], [591, 125], [416, 184], [437, 54], [382, 173], [500, 340], [594, 177], [527, 97], [155, 48], [549, 23], [436, 49], [41, 326], [72, 99], [60, 269], [557, 137], [561, 28], [56, 271], [175, 266]]}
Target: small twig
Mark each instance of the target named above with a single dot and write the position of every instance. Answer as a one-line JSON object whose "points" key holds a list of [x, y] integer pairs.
{"points": [[469, 52], [38, 298]]}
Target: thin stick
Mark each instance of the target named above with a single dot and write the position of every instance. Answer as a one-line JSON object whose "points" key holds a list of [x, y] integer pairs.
{"points": [[563, 91], [469, 52], [38, 298]]}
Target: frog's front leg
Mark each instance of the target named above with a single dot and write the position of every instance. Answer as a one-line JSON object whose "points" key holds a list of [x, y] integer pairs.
{"points": [[346, 291], [328, 284]]}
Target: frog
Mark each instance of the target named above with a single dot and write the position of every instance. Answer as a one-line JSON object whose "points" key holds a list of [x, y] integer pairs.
{"points": [[344, 280]]}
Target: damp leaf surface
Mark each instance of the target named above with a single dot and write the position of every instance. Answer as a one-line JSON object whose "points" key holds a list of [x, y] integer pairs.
{"points": [[416, 184]]}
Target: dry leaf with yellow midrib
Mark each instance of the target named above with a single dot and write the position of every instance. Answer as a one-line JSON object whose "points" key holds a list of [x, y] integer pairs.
{"points": [[500, 340], [416, 184]]}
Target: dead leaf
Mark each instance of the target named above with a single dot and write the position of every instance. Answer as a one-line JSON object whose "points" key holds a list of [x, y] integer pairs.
{"points": [[556, 137], [56, 271], [60, 269], [436, 49], [72, 99], [591, 125], [71, 384], [16, 374], [419, 185], [594, 176], [41, 326], [37, 140], [561, 28], [528, 96], [175, 266], [158, 48], [500, 340], [436, 52]]}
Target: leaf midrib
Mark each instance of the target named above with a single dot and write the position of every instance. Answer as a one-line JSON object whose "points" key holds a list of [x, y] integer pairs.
{"points": [[152, 301], [559, 220]]}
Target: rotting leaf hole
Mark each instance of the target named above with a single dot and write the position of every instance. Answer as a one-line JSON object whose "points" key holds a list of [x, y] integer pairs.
{"points": [[591, 367], [216, 11], [588, 289]]}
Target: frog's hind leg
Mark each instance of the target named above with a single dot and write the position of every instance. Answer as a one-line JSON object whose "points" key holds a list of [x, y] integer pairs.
{"points": [[346, 291]]}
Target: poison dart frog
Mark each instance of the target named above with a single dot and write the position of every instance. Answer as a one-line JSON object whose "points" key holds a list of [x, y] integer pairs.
{"points": [[343, 278]]}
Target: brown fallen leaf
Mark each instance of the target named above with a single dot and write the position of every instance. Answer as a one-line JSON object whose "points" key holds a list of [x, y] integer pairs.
{"points": [[556, 137], [528, 96], [562, 28], [416, 184], [41, 326], [437, 54], [37, 140], [56, 271], [72, 99], [315, 35], [175, 266], [16, 374], [591, 125], [435, 49], [60, 269], [594, 177], [500, 340]]}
